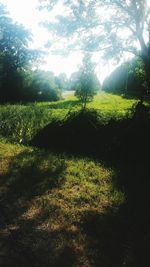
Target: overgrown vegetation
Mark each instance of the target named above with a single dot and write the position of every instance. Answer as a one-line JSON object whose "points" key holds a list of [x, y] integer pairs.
{"points": [[19, 123]]}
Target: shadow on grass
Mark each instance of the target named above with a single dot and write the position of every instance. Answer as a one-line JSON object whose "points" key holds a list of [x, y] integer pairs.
{"points": [[115, 238], [84, 132], [33, 236], [23, 242], [122, 238]]}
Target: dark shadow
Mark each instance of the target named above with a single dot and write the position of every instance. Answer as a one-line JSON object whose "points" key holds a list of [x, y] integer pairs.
{"points": [[121, 237], [116, 237], [27, 183], [113, 238], [23, 241], [84, 132]]}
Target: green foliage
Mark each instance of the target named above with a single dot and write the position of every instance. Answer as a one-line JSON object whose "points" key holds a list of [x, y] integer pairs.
{"points": [[61, 81], [87, 83], [128, 79], [112, 27], [14, 50], [15, 58], [17, 81], [20, 123], [96, 31], [41, 86]]}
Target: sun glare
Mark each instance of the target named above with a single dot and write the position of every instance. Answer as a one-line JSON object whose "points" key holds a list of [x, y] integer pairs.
{"points": [[26, 13]]}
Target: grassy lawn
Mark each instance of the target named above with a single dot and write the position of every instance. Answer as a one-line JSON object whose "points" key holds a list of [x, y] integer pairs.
{"points": [[111, 104], [48, 205], [103, 102]]}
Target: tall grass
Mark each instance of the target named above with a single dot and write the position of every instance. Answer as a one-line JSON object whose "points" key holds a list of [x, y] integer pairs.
{"points": [[19, 123]]}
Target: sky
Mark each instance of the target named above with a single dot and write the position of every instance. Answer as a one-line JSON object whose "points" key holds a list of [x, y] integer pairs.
{"points": [[25, 12]]}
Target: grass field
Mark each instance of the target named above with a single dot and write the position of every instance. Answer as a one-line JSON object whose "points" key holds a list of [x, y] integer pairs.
{"points": [[107, 104], [62, 210], [19, 123]]}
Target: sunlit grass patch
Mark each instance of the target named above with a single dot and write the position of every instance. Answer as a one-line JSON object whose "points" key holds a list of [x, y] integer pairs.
{"points": [[107, 105], [71, 185], [19, 123], [111, 105], [47, 201], [87, 185]]}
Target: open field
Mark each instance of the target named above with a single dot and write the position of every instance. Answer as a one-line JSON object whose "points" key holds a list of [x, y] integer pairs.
{"points": [[19, 123], [107, 104]]}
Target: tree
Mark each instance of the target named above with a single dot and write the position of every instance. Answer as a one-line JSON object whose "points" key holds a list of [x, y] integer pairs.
{"points": [[74, 78], [88, 84], [132, 17], [15, 57], [42, 87], [127, 79], [115, 27], [61, 81]]}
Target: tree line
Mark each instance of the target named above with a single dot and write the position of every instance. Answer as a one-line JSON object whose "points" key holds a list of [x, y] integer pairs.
{"points": [[18, 80], [112, 28], [21, 81], [128, 80]]}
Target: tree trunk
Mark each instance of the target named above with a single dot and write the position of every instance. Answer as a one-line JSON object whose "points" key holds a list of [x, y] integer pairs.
{"points": [[84, 101], [146, 60]]}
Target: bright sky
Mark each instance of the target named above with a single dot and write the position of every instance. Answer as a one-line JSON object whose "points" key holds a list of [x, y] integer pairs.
{"points": [[26, 13]]}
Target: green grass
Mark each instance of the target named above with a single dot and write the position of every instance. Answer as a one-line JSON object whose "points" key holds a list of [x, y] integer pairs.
{"points": [[60, 210], [103, 103], [111, 105], [19, 123], [45, 201]]}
